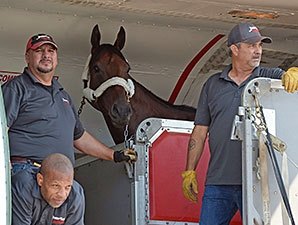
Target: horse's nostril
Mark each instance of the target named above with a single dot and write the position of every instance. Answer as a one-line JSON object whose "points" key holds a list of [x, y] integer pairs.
{"points": [[121, 111], [115, 110]]}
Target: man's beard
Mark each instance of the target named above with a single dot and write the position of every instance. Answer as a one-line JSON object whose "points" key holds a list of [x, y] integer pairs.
{"points": [[255, 62], [45, 70]]}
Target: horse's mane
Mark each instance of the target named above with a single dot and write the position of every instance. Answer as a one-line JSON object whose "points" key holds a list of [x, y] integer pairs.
{"points": [[162, 101]]}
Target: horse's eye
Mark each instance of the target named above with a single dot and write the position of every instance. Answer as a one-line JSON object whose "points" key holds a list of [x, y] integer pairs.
{"points": [[96, 69]]}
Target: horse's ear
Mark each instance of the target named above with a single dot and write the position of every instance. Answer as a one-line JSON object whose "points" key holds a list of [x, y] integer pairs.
{"points": [[120, 41], [95, 38]]}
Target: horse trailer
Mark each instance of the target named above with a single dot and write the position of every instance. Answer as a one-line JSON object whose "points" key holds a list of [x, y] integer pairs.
{"points": [[150, 193]]}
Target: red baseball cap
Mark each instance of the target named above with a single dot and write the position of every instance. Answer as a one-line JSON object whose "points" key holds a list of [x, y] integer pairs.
{"points": [[38, 40]]}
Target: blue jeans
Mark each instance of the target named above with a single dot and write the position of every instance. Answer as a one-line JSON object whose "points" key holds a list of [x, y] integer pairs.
{"points": [[220, 204], [19, 166]]}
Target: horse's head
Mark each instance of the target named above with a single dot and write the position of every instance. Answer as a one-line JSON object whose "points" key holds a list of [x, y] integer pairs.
{"points": [[110, 86]]}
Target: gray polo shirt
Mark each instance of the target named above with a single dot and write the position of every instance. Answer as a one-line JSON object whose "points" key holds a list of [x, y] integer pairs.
{"points": [[41, 120], [28, 206], [218, 104]]}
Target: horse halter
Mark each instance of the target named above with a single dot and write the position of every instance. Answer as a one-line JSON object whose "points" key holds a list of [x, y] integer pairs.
{"points": [[91, 95]]}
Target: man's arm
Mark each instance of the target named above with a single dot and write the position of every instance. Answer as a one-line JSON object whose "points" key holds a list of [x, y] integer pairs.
{"points": [[195, 150], [90, 146], [12, 101], [196, 146]]}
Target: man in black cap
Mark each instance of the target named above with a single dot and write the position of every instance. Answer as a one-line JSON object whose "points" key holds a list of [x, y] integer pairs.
{"points": [[41, 116], [218, 104]]}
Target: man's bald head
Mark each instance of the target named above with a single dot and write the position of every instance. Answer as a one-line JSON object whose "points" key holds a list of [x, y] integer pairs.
{"points": [[55, 179], [56, 162]]}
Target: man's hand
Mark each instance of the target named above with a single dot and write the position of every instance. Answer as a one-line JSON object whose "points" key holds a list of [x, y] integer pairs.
{"points": [[290, 79], [190, 185], [127, 155]]}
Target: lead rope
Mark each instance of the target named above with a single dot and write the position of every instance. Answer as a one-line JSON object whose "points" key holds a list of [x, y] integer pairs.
{"points": [[128, 144], [125, 133], [83, 102], [268, 142]]}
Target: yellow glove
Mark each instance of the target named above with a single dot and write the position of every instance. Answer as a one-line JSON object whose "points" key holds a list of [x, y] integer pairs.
{"points": [[190, 185], [290, 79]]}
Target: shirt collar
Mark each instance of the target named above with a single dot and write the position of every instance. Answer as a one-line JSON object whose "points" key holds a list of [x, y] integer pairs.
{"points": [[56, 85], [225, 72]]}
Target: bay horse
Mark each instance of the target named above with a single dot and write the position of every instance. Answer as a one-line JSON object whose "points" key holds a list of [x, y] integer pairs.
{"points": [[123, 101]]}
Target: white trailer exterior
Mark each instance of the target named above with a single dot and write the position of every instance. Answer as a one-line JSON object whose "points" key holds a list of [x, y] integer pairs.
{"points": [[5, 206]]}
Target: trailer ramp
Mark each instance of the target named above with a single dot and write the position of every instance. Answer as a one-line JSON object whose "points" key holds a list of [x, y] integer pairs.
{"points": [[262, 199]]}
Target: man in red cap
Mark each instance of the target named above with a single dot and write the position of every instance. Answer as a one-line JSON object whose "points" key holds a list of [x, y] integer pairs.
{"points": [[218, 104], [41, 115]]}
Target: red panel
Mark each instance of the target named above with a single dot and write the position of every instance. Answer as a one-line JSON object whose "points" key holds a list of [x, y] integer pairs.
{"points": [[167, 160]]}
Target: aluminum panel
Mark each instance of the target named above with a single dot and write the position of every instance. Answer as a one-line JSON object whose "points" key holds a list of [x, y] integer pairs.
{"points": [[282, 120]]}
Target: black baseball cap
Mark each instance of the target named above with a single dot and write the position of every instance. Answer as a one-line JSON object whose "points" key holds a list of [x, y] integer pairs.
{"points": [[38, 40], [248, 33]]}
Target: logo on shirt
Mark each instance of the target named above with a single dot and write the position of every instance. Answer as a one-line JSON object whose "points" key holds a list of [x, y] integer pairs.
{"points": [[65, 100], [58, 220]]}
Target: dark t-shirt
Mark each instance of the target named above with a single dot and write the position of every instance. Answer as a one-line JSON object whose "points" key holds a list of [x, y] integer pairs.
{"points": [[41, 120], [218, 104], [28, 206]]}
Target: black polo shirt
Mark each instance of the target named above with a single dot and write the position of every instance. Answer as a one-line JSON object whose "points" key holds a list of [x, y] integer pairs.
{"points": [[218, 104], [29, 207], [41, 119]]}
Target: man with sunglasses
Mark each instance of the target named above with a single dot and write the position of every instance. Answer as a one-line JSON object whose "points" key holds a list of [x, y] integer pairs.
{"points": [[41, 116]]}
